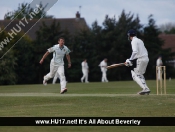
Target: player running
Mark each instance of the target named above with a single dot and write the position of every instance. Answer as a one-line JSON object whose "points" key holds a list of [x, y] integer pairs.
{"points": [[140, 53], [57, 64]]}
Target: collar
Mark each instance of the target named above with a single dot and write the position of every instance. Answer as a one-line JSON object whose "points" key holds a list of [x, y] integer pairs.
{"points": [[133, 38], [61, 47]]}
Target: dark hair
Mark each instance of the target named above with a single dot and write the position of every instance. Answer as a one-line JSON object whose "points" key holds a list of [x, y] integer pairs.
{"points": [[61, 38]]}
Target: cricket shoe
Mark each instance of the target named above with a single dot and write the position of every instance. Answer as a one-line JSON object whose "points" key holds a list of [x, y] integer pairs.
{"points": [[44, 82], [144, 92], [82, 80], [63, 91]]}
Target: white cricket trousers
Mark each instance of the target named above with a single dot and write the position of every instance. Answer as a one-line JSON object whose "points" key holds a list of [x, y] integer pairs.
{"points": [[104, 78], [85, 75], [60, 71], [141, 65], [55, 78], [139, 71], [159, 73]]}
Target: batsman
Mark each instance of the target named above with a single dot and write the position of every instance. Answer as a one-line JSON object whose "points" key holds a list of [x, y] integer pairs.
{"points": [[140, 53]]}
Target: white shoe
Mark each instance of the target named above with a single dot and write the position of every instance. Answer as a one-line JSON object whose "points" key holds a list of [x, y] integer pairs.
{"points": [[82, 80], [144, 92], [146, 89], [87, 82], [44, 81], [63, 91]]}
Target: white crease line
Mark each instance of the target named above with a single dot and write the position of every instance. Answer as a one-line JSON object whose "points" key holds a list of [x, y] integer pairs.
{"points": [[72, 95]]}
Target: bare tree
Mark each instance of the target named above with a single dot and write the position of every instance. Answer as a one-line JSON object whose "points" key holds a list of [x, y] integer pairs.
{"points": [[166, 26]]}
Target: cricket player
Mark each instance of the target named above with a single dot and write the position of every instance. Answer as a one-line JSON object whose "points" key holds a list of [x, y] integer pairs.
{"points": [[85, 71], [103, 66], [57, 64], [159, 63], [140, 53]]}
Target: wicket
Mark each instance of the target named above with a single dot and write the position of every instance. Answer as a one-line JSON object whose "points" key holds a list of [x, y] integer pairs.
{"points": [[161, 82]]}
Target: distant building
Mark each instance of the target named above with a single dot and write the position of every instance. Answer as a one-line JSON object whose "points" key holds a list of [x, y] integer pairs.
{"points": [[169, 42], [73, 25]]}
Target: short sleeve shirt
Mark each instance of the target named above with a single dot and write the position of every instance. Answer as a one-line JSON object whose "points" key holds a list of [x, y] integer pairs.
{"points": [[58, 54]]}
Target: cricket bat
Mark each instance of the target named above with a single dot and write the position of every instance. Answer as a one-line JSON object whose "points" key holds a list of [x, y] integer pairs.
{"points": [[115, 65]]}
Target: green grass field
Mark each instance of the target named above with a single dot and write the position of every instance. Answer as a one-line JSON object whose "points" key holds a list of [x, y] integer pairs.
{"points": [[113, 99]]}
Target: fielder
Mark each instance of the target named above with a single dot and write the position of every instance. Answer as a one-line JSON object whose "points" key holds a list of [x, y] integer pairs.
{"points": [[140, 53], [85, 71], [103, 66], [159, 63], [57, 64]]}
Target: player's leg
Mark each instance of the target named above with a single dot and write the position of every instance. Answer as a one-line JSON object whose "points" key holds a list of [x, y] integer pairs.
{"points": [[84, 75], [55, 78], [102, 78], [53, 70], [62, 79], [138, 72], [105, 78], [139, 79], [159, 73]]}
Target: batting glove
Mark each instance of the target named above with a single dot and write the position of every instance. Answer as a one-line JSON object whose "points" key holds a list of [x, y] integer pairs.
{"points": [[128, 63]]}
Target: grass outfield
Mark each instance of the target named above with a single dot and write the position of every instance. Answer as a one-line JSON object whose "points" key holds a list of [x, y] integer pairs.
{"points": [[113, 99]]}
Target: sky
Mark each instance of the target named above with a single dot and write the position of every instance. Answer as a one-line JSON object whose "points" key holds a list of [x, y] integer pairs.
{"points": [[96, 10]]}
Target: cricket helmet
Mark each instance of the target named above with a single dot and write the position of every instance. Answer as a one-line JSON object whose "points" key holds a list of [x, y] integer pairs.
{"points": [[131, 33]]}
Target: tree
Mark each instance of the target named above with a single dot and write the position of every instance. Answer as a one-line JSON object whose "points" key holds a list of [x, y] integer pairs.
{"points": [[24, 68], [25, 9], [24, 71], [7, 64], [171, 31], [168, 28], [16, 60], [82, 48], [154, 46]]}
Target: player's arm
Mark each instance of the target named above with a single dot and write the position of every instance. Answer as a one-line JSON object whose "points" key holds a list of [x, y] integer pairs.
{"points": [[44, 56], [134, 51], [133, 55], [69, 61], [101, 64]]}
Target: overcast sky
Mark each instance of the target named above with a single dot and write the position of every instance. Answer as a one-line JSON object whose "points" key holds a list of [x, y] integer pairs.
{"points": [[163, 10]]}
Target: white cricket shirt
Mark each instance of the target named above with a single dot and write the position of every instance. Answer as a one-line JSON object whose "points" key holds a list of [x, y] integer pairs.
{"points": [[84, 65], [159, 62], [103, 65], [138, 48], [58, 54]]}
